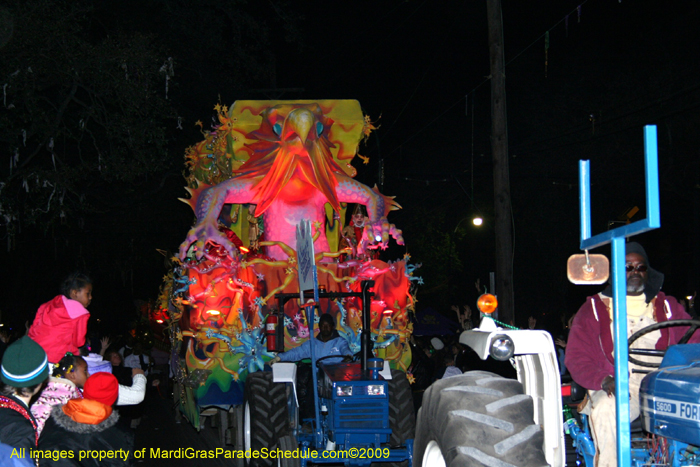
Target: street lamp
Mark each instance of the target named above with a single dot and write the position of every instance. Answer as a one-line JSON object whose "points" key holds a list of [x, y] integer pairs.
{"points": [[477, 221]]}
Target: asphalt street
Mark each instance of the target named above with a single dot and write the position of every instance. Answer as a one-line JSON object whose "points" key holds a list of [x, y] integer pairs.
{"points": [[164, 439]]}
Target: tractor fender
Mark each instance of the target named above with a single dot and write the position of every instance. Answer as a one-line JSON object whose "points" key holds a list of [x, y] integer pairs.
{"points": [[285, 372]]}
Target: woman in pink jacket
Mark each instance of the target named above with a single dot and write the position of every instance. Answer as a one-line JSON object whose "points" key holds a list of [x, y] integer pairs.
{"points": [[60, 325]]}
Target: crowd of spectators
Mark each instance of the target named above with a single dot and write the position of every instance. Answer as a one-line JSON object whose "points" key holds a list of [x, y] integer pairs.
{"points": [[57, 394]]}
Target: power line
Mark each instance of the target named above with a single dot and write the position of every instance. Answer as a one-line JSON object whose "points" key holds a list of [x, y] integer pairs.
{"points": [[694, 106], [488, 78], [523, 149]]}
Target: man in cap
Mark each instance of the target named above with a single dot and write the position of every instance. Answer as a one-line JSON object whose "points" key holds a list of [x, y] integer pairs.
{"points": [[23, 372], [589, 350]]}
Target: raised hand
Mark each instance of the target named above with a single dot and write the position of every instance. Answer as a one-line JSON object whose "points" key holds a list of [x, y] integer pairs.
{"points": [[104, 345]]}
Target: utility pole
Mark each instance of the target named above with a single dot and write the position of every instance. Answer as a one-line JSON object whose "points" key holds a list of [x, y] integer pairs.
{"points": [[501, 177]]}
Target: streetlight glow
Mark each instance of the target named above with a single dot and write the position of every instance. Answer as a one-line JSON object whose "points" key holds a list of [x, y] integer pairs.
{"points": [[477, 221]]}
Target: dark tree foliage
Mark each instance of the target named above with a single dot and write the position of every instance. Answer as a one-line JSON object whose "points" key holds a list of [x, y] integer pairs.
{"points": [[80, 115], [99, 102]]}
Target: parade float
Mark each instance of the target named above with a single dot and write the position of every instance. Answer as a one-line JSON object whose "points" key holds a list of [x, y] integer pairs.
{"points": [[262, 169]]}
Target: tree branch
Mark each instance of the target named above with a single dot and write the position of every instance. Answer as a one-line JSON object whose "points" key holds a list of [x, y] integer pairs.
{"points": [[57, 120]]}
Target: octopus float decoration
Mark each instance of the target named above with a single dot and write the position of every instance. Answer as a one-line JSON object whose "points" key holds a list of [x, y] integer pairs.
{"points": [[279, 162]]}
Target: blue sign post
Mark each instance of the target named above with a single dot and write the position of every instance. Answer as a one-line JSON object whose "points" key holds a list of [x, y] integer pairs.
{"points": [[616, 238]]}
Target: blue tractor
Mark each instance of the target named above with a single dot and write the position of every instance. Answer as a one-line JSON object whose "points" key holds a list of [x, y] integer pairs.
{"points": [[668, 431], [362, 410]]}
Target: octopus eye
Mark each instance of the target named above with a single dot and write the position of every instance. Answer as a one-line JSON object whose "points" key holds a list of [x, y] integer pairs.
{"points": [[319, 128], [277, 128]]}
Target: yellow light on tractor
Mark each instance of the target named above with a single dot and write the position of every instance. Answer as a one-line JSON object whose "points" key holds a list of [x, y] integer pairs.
{"points": [[487, 303]]}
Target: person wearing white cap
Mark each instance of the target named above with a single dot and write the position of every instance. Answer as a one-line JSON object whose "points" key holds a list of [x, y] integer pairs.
{"points": [[24, 369], [437, 343]]}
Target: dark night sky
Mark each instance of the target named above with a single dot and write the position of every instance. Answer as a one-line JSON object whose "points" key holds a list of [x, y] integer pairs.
{"points": [[624, 65]]}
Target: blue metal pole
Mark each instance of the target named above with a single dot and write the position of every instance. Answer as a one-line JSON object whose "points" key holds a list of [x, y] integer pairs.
{"points": [[584, 191], [651, 172], [622, 391], [311, 320], [616, 238]]}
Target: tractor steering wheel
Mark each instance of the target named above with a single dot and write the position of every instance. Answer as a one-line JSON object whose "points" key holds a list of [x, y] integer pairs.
{"points": [[330, 356], [693, 323]]}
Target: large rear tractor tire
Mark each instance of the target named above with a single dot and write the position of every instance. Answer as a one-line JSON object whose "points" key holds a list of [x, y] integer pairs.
{"points": [[402, 418], [266, 415], [289, 443], [476, 419]]}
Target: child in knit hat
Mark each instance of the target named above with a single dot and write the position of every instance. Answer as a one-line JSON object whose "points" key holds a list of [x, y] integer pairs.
{"points": [[23, 372], [89, 424], [68, 378], [102, 387]]}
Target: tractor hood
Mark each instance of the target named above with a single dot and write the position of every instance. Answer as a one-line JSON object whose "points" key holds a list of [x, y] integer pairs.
{"points": [[670, 397]]}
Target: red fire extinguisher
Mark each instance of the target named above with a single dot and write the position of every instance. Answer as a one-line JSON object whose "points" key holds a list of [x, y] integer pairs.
{"points": [[271, 332]]}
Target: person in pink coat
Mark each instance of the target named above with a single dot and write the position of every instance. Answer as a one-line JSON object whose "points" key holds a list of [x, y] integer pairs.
{"points": [[60, 325]]}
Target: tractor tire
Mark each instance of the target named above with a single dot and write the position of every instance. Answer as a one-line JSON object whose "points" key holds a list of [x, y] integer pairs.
{"points": [[402, 418], [475, 419], [289, 443], [266, 409]]}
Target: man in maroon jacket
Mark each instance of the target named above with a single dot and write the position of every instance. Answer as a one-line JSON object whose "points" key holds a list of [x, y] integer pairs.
{"points": [[589, 350]]}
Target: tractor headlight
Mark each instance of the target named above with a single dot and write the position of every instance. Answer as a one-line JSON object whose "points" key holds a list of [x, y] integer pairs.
{"points": [[344, 391], [502, 347], [375, 390]]}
